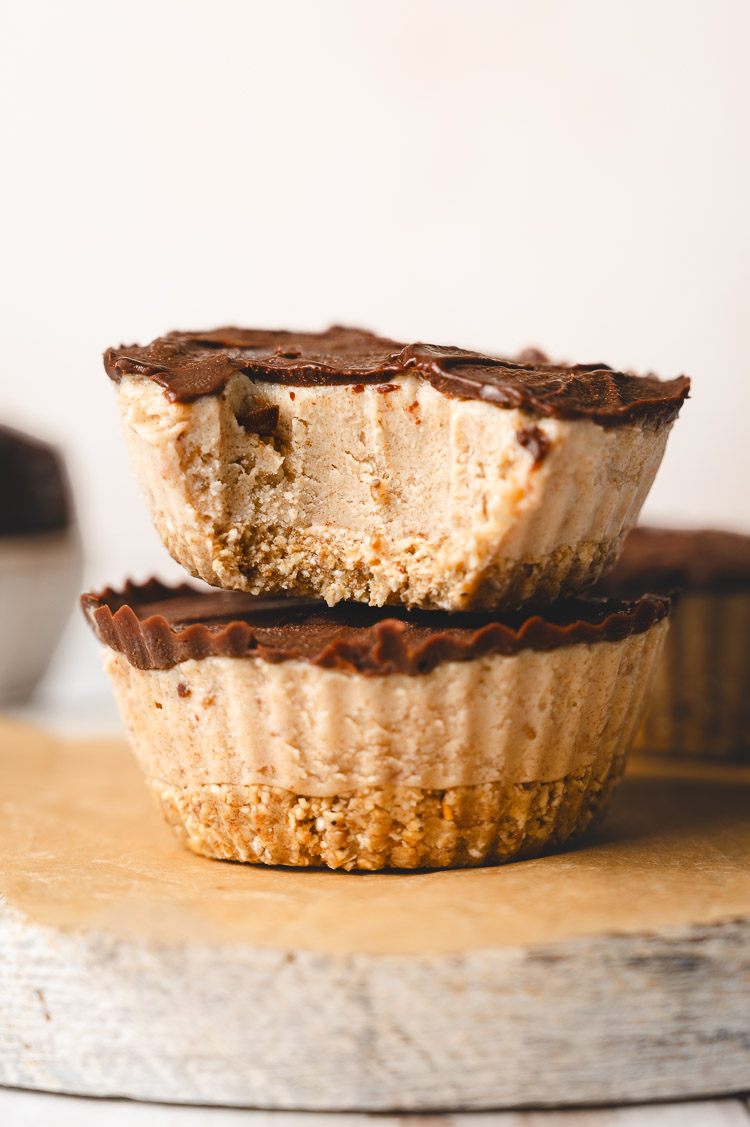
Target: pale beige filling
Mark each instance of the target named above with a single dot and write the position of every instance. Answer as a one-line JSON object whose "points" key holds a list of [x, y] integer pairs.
{"points": [[521, 718], [412, 496]]}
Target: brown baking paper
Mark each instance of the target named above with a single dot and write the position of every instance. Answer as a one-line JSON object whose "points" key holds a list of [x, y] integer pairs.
{"points": [[83, 847]]}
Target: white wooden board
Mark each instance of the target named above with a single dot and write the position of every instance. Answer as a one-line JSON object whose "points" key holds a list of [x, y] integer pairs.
{"points": [[619, 971]]}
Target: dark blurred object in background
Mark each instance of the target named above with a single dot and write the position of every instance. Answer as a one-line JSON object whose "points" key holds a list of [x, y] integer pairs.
{"points": [[34, 492], [40, 560]]}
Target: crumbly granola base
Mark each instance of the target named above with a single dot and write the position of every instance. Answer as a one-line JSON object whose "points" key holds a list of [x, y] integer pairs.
{"points": [[566, 571], [394, 827], [309, 564]]}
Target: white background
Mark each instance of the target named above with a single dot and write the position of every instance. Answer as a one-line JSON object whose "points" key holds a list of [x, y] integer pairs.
{"points": [[478, 172], [488, 173]]}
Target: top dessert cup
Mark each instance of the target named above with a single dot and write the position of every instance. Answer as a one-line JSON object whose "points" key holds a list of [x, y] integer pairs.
{"points": [[344, 466], [699, 704]]}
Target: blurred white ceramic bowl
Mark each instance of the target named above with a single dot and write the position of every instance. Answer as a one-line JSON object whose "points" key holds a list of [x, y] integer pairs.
{"points": [[40, 576]]}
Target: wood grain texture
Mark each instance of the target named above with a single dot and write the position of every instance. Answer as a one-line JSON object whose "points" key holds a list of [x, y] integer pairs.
{"points": [[616, 972]]}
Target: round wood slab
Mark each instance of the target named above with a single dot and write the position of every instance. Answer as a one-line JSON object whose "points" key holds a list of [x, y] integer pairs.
{"points": [[618, 971]]}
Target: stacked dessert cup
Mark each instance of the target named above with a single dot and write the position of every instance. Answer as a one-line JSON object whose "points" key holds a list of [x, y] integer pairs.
{"points": [[401, 667], [699, 704]]}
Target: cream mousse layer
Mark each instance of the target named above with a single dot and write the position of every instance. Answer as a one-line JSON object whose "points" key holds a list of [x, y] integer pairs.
{"points": [[522, 718], [385, 494]]}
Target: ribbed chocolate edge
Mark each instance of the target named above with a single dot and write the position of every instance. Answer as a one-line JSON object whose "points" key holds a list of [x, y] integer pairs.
{"points": [[153, 644]]}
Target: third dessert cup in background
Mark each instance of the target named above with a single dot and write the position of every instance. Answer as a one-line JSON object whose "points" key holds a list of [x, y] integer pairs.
{"points": [[700, 700], [346, 466], [286, 733]]}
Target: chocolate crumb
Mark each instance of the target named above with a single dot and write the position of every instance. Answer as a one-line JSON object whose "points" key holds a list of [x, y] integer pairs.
{"points": [[259, 420], [183, 690], [535, 441]]}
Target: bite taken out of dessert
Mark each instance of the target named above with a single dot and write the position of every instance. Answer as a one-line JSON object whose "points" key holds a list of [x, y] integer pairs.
{"points": [[285, 732], [699, 703], [346, 466]]}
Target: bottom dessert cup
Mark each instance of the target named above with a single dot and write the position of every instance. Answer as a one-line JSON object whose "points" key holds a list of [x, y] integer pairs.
{"points": [[699, 703], [283, 732]]}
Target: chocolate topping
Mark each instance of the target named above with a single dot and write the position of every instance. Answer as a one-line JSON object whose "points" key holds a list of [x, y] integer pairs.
{"points": [[664, 559], [34, 494], [156, 627], [189, 365]]}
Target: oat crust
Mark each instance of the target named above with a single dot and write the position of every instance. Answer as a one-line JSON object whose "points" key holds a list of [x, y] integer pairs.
{"points": [[394, 827]]}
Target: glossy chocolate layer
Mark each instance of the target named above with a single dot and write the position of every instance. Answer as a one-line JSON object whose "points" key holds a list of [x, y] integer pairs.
{"points": [[189, 365], [34, 496], [663, 559], [156, 627]]}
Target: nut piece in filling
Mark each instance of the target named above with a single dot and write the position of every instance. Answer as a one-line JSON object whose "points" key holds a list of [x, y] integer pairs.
{"points": [[288, 733], [700, 699], [345, 466]]}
